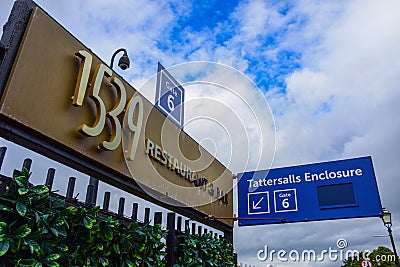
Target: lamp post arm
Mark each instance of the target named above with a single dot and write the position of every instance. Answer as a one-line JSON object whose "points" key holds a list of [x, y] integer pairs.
{"points": [[115, 53]]}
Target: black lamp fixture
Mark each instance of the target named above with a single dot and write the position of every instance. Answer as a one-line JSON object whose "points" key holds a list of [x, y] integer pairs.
{"points": [[123, 62], [387, 221], [386, 217]]}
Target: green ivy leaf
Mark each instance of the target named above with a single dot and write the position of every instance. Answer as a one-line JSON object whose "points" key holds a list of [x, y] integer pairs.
{"points": [[116, 248], [16, 173], [3, 227], [23, 231], [62, 233], [88, 222], [63, 248], [27, 263], [129, 263], [33, 246], [25, 173], [40, 189], [4, 246], [54, 231], [108, 233], [22, 191], [21, 208], [52, 264], [100, 246], [53, 257], [21, 181], [104, 261]]}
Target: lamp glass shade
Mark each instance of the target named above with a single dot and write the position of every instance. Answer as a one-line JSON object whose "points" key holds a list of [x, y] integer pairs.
{"points": [[387, 218]]}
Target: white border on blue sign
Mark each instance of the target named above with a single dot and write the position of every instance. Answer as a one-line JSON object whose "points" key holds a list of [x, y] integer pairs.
{"points": [[295, 199]]}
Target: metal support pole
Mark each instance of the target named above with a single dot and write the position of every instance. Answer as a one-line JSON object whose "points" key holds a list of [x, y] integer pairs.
{"points": [[396, 260]]}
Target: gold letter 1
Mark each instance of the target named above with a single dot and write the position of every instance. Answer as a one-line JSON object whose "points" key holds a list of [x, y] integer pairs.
{"points": [[101, 70], [83, 77]]}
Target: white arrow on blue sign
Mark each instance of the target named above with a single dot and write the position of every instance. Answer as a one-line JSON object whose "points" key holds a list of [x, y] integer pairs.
{"points": [[258, 203]]}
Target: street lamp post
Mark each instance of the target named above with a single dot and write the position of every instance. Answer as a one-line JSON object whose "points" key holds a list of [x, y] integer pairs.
{"points": [[387, 221]]}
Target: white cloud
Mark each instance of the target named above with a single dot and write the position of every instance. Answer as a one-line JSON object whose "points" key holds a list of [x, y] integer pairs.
{"points": [[340, 102]]}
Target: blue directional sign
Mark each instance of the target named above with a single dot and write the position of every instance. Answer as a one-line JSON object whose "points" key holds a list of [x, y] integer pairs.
{"points": [[320, 191], [169, 96]]}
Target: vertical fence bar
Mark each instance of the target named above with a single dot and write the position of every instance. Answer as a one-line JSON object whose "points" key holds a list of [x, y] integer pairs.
{"points": [[146, 215], [179, 224], [157, 218], [106, 201], [187, 226], [27, 164], [89, 195], [50, 178], [135, 207], [3, 185], [121, 206], [193, 228], [3, 151], [171, 240], [200, 230], [205, 231], [95, 183], [228, 236], [70, 188]]}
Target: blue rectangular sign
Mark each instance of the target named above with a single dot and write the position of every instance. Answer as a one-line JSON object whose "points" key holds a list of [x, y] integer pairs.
{"points": [[169, 96], [320, 191]]}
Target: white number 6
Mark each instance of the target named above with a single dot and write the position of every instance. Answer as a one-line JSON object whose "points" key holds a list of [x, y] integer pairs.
{"points": [[171, 104], [285, 203]]}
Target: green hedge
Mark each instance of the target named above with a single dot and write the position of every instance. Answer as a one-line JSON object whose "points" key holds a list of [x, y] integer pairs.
{"points": [[203, 250], [37, 230]]}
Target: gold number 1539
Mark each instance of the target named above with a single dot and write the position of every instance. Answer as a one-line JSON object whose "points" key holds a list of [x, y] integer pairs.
{"points": [[134, 108]]}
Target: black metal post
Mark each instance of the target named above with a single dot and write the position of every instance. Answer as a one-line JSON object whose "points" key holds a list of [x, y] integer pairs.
{"points": [[135, 207], [106, 201], [70, 188], [146, 215], [3, 184], [396, 260], [121, 207], [95, 183], [89, 196], [50, 178], [171, 240]]}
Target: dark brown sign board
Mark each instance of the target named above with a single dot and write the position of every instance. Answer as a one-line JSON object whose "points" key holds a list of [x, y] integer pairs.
{"points": [[42, 75]]}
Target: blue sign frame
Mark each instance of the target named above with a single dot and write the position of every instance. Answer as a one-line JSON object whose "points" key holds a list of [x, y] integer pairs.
{"points": [[320, 191], [170, 96]]}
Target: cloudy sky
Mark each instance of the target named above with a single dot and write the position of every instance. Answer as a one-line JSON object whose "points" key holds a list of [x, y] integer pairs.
{"points": [[329, 71]]}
